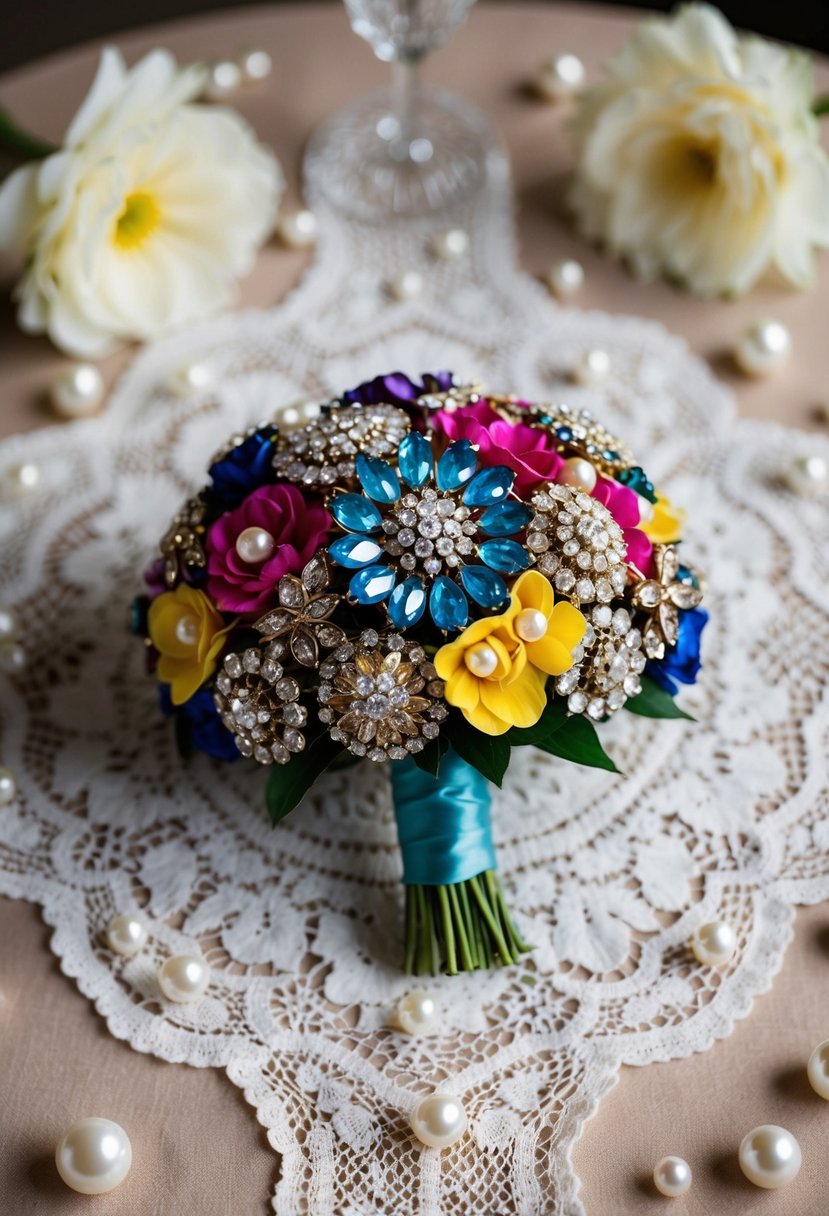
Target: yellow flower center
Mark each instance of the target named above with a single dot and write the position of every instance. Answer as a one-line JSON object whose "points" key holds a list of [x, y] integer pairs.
{"points": [[140, 217], [481, 660]]}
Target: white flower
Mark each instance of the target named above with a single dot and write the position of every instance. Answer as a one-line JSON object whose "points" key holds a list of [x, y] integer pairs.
{"points": [[700, 156], [147, 214]]}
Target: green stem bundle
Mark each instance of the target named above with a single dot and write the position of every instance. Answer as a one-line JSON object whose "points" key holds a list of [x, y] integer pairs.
{"points": [[464, 926]]}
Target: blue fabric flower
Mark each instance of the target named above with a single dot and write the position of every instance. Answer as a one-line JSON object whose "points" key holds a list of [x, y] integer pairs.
{"points": [[244, 469], [199, 724], [681, 662], [397, 389]]}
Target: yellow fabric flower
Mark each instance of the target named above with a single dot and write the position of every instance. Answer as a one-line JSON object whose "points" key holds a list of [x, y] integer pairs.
{"points": [[549, 631], [188, 632], [666, 526]]}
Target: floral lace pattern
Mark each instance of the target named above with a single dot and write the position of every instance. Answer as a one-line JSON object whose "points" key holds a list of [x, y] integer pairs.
{"points": [[608, 876]]}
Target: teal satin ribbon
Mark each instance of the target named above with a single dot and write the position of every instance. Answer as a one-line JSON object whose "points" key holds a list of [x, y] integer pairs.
{"points": [[442, 822]]}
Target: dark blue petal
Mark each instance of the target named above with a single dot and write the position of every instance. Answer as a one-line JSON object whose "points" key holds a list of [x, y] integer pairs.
{"points": [[456, 465], [371, 584], [681, 662], [198, 725], [484, 586], [505, 518], [354, 551], [377, 478], [505, 555], [489, 486], [407, 603], [414, 460], [244, 469], [356, 512], [448, 605]]}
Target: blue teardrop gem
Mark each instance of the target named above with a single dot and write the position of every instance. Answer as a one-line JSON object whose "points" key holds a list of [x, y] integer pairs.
{"points": [[456, 465], [489, 486], [448, 605], [354, 551], [356, 513], [504, 519], [484, 586], [372, 584], [377, 478], [505, 555], [407, 603], [414, 460]]}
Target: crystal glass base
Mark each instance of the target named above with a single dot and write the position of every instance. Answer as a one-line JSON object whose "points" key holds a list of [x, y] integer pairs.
{"points": [[364, 165]]}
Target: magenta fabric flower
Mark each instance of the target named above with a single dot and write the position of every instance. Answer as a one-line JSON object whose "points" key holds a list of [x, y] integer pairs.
{"points": [[528, 450], [299, 526], [623, 505]]}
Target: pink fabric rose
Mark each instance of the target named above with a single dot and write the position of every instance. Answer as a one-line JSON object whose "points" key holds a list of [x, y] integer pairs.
{"points": [[299, 527], [623, 505], [528, 450]]}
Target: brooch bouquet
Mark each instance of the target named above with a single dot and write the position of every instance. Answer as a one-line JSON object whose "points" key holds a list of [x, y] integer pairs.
{"points": [[423, 576]]}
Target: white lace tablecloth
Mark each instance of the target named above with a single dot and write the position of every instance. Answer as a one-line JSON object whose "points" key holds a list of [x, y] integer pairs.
{"points": [[608, 876]]}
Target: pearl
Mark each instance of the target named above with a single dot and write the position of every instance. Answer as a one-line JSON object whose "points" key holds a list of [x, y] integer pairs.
{"points": [[299, 414], [22, 479], [297, 229], [407, 285], [769, 1156], [255, 545], [223, 78], [451, 245], [560, 76], [255, 65], [592, 368], [817, 1070], [481, 660], [77, 391], [672, 1176], [579, 473], [190, 379], [12, 657], [183, 978], [187, 629], [714, 943], [531, 625], [807, 475], [439, 1120], [763, 348], [126, 934], [93, 1156], [8, 624], [565, 278], [8, 786], [417, 1012]]}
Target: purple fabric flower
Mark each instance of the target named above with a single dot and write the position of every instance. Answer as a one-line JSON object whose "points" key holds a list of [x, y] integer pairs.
{"points": [[528, 450], [397, 389]]}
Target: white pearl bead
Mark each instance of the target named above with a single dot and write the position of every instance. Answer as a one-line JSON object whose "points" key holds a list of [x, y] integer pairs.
{"points": [[297, 229], [560, 76], [577, 472], [565, 278], [191, 379], [763, 348], [407, 285], [223, 78], [672, 1176], [77, 391], [94, 1156], [183, 978], [255, 545], [481, 660], [592, 368], [807, 475], [714, 943], [817, 1070], [187, 629], [769, 1156], [417, 1012], [126, 934], [8, 624], [12, 657], [8, 786], [439, 1120], [451, 245], [255, 64], [22, 479], [531, 625]]}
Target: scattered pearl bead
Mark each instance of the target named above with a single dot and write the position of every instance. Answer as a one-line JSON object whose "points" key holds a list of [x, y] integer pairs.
{"points": [[255, 545], [579, 473], [299, 414], [817, 1070], [183, 978], [763, 348], [8, 624], [126, 934], [12, 657], [22, 479], [417, 1012], [77, 391], [255, 64], [187, 629], [407, 285], [223, 78], [770, 1156], [592, 368], [531, 625], [191, 379], [565, 278], [451, 245], [297, 229], [672, 1176], [714, 943], [481, 660], [560, 76], [8, 786], [439, 1120], [807, 475], [93, 1156]]}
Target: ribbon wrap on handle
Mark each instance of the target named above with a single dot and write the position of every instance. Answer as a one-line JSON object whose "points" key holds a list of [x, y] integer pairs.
{"points": [[442, 822]]}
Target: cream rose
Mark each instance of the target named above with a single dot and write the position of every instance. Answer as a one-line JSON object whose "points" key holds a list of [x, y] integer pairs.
{"points": [[700, 156], [147, 214]]}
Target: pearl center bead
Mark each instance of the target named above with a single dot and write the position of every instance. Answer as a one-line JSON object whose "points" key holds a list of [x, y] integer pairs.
{"points": [[439, 1120], [481, 660], [531, 625], [187, 629], [94, 1156], [255, 545]]}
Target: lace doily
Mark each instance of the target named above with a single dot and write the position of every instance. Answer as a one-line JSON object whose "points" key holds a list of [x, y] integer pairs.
{"points": [[608, 876]]}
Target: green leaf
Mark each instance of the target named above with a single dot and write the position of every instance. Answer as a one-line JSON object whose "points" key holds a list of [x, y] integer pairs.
{"points": [[820, 106], [489, 754], [655, 702], [289, 783], [14, 139], [576, 740], [429, 759], [552, 719]]}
